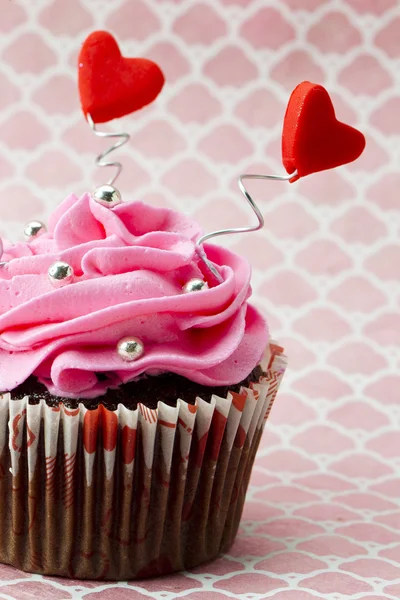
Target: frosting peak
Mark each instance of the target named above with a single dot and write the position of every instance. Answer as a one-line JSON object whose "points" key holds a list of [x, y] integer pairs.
{"points": [[130, 265]]}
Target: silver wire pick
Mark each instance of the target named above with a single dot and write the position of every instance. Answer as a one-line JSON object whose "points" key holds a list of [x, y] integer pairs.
{"points": [[255, 209], [123, 138]]}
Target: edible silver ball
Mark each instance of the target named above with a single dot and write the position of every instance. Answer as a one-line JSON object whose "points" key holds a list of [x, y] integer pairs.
{"points": [[195, 285], [33, 229], [60, 273], [130, 348], [107, 195]]}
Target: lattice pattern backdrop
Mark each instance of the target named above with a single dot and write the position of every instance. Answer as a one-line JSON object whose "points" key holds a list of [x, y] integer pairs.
{"points": [[323, 514]]}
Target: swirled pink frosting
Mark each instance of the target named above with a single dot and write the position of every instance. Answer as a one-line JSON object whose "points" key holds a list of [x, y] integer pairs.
{"points": [[130, 264]]}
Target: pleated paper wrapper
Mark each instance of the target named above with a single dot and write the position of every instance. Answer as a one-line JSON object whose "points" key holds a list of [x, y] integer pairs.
{"points": [[128, 494]]}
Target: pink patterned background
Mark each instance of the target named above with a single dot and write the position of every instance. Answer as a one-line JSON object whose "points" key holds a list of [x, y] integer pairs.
{"points": [[322, 518]]}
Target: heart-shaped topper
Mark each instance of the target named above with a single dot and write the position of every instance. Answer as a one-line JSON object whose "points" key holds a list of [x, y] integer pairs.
{"points": [[312, 138], [111, 86]]}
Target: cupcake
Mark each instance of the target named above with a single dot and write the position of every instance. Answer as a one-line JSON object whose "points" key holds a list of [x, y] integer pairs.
{"points": [[136, 376]]}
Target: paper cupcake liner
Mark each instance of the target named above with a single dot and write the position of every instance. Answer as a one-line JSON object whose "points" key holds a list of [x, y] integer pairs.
{"points": [[128, 494]]}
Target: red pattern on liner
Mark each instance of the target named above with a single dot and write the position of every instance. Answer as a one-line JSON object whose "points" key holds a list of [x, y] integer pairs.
{"points": [[200, 448], [128, 444], [218, 425], [108, 421], [68, 489], [31, 437], [238, 400], [240, 437], [184, 425], [50, 474], [16, 431], [149, 414], [71, 412], [167, 424], [275, 349], [90, 426]]}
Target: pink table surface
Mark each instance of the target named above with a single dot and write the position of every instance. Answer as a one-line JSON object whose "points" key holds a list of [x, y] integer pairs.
{"points": [[322, 518]]}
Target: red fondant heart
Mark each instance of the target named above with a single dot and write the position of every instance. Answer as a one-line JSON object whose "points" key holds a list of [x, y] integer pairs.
{"points": [[111, 86], [312, 138]]}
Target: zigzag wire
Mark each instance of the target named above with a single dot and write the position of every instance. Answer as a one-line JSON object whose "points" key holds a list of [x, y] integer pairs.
{"points": [[255, 209], [100, 159], [125, 137], [252, 204]]}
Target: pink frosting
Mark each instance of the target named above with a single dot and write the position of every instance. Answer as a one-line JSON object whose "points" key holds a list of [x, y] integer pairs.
{"points": [[130, 264]]}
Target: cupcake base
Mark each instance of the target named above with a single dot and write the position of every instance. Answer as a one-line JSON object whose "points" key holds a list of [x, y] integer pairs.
{"points": [[127, 494]]}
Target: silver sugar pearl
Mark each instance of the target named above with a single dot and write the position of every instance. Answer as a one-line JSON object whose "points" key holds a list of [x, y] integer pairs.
{"points": [[130, 348], [107, 195], [195, 285], [33, 229], [60, 273]]}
